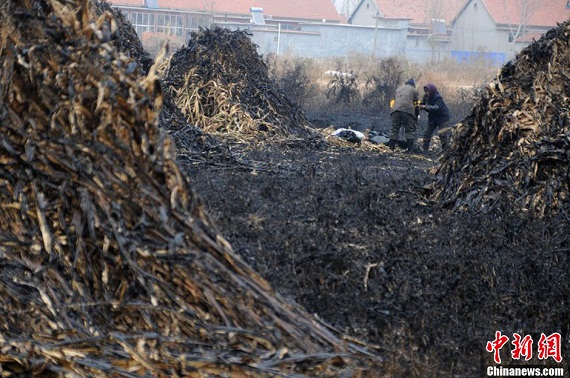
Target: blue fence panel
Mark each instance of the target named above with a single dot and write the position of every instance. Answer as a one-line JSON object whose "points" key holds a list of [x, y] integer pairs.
{"points": [[494, 58]]}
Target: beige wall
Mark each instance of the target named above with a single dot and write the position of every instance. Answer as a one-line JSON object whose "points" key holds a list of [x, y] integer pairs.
{"points": [[475, 30]]}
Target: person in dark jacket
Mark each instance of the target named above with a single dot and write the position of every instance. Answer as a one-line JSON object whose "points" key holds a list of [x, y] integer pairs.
{"points": [[438, 116], [404, 113]]}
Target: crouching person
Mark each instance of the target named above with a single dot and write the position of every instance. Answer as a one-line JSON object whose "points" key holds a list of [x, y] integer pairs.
{"points": [[438, 117]]}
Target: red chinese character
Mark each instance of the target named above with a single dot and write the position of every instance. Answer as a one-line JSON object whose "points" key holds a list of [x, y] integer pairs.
{"points": [[550, 347], [523, 347], [496, 345]]}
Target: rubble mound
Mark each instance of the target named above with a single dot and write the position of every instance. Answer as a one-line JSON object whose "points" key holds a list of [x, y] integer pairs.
{"points": [[109, 265], [221, 84], [513, 150]]}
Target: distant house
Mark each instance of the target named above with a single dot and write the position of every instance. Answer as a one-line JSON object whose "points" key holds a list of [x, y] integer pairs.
{"points": [[428, 23], [464, 29], [156, 21], [185, 15], [497, 29], [175, 19], [303, 28]]}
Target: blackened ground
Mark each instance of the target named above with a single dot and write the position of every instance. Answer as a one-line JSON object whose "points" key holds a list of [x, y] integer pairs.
{"points": [[351, 235]]}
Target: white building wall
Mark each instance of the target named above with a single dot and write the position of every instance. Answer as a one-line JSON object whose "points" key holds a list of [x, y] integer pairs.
{"points": [[365, 14], [326, 40], [475, 33], [474, 30]]}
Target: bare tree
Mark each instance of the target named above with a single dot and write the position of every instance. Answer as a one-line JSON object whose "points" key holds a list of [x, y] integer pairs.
{"points": [[518, 21], [435, 11]]}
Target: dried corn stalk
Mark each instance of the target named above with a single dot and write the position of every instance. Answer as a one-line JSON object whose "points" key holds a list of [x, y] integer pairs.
{"points": [[127, 40], [108, 264], [192, 144], [221, 84], [513, 150]]}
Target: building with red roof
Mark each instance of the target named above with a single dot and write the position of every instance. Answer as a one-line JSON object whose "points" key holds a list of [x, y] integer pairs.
{"points": [[422, 30], [295, 27], [419, 12], [158, 20], [463, 29], [291, 11], [498, 29], [429, 23]]}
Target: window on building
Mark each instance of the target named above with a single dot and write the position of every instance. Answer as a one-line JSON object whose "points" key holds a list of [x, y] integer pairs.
{"points": [[290, 27], [160, 22], [203, 22], [196, 21], [172, 24], [142, 22], [178, 25]]}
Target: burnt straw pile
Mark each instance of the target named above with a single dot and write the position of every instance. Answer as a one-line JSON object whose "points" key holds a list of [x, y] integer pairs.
{"points": [[109, 266], [126, 39], [513, 150], [221, 84], [192, 144]]}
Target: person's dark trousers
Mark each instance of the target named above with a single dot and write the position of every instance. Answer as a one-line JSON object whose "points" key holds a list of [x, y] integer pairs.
{"points": [[431, 126], [402, 119], [444, 135]]}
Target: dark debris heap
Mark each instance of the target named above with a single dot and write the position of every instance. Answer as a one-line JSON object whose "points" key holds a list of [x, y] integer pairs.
{"points": [[126, 39], [513, 151], [108, 264], [221, 84], [192, 144]]}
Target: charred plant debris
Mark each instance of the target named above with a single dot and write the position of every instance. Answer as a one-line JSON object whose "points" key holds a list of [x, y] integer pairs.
{"points": [[109, 265], [221, 85], [193, 145], [513, 150], [125, 37]]}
